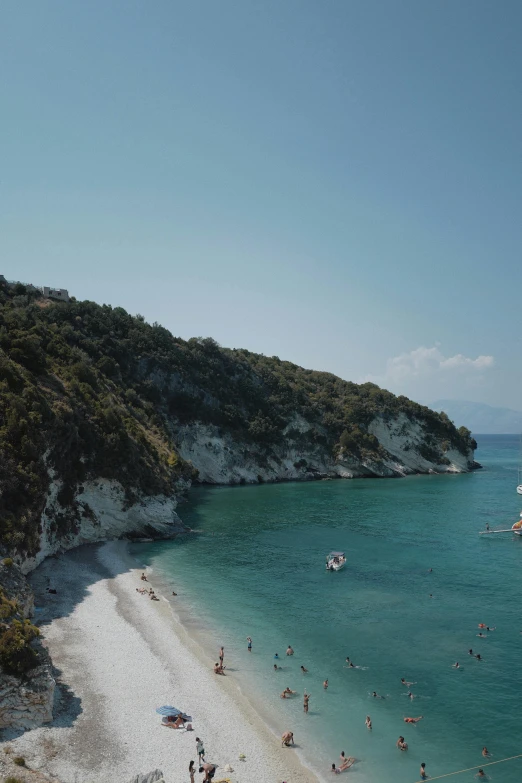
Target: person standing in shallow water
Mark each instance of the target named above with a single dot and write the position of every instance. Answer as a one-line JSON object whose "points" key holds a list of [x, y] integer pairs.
{"points": [[325, 684], [249, 646], [306, 698], [423, 771]]}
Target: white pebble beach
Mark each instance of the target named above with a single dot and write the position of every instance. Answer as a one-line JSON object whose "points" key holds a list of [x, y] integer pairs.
{"points": [[120, 656]]}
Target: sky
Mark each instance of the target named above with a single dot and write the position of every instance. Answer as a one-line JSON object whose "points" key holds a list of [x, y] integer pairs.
{"points": [[335, 183]]}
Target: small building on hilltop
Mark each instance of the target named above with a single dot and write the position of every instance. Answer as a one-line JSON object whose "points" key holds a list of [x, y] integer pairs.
{"points": [[55, 293]]}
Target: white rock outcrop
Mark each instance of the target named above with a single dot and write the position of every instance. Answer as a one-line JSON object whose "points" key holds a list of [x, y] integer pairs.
{"points": [[222, 460], [101, 514]]}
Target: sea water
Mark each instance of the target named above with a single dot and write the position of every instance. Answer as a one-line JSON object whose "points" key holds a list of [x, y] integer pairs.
{"points": [[256, 567]]}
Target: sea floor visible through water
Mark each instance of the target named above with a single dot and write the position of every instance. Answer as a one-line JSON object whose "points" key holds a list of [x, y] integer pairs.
{"points": [[256, 567]]}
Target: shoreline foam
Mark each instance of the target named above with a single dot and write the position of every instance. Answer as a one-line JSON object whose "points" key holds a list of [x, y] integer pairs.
{"points": [[120, 656]]}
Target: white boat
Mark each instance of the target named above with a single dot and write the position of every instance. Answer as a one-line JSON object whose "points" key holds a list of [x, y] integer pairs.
{"points": [[335, 561]]}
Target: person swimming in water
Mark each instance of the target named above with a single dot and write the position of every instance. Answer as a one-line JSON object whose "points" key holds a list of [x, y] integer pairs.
{"points": [[482, 635], [470, 652], [413, 720], [481, 774], [401, 744], [376, 696], [277, 668], [478, 657], [456, 665], [407, 684], [368, 722], [485, 752], [305, 671]]}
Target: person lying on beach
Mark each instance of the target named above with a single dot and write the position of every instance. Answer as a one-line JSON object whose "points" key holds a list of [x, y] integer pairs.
{"points": [[144, 578], [219, 668], [413, 720], [347, 763], [287, 739], [368, 722], [289, 650], [174, 723], [209, 770], [401, 744], [305, 671]]}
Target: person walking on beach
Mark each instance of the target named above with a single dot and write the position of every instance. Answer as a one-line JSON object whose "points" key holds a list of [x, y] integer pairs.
{"points": [[200, 748], [191, 772], [325, 684], [249, 640], [423, 771], [306, 699]]}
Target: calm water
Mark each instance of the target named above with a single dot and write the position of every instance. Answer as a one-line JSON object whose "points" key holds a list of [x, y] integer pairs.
{"points": [[257, 568]]}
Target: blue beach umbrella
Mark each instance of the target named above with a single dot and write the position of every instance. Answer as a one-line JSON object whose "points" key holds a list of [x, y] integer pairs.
{"points": [[172, 712]]}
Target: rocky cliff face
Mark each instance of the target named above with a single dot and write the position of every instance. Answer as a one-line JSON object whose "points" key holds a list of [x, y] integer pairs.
{"points": [[26, 701], [99, 511], [221, 459]]}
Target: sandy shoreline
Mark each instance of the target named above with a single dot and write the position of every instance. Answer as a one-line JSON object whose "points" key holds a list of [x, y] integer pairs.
{"points": [[119, 656]]}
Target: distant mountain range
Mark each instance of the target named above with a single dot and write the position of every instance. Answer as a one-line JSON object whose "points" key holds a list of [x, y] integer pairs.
{"points": [[480, 418]]}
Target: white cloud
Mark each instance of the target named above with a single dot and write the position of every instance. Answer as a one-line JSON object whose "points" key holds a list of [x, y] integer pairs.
{"points": [[428, 362]]}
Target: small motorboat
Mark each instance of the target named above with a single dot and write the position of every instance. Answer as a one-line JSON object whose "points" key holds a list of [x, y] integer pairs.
{"points": [[335, 561]]}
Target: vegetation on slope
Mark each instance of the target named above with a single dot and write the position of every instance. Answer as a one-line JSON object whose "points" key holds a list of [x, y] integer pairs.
{"points": [[91, 391]]}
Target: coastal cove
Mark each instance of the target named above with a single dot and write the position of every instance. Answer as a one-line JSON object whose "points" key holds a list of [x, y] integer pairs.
{"points": [[256, 567]]}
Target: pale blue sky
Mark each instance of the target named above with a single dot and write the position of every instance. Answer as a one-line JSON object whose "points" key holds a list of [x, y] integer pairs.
{"points": [[338, 183]]}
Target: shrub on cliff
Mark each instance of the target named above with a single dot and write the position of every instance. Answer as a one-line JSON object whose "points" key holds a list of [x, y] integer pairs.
{"points": [[16, 654]]}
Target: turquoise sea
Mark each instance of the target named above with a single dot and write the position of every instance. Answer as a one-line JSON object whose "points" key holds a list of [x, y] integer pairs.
{"points": [[256, 568]]}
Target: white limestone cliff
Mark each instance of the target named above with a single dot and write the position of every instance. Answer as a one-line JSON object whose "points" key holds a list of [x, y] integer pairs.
{"points": [[101, 513], [220, 459]]}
